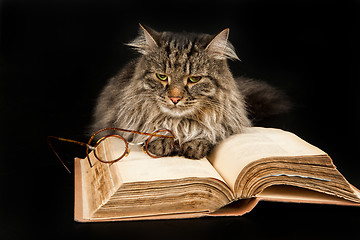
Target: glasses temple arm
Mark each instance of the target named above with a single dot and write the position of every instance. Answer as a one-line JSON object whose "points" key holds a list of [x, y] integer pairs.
{"points": [[52, 148], [66, 140]]}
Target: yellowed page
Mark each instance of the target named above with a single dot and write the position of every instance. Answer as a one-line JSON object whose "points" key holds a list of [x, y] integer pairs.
{"points": [[234, 153], [138, 166], [141, 167], [285, 193]]}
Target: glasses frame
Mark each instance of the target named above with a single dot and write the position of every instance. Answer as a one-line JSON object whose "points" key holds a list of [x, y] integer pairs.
{"points": [[127, 150]]}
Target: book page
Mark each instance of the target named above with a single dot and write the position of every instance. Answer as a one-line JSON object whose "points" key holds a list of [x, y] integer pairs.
{"points": [[138, 166], [285, 193], [234, 153]]}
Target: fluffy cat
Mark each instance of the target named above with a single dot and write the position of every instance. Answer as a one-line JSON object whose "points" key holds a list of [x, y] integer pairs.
{"points": [[182, 82]]}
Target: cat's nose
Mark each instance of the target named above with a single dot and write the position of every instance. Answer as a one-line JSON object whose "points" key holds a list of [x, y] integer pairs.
{"points": [[176, 99]]}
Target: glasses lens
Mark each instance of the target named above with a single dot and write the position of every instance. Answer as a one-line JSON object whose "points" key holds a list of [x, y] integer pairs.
{"points": [[111, 148], [160, 143]]}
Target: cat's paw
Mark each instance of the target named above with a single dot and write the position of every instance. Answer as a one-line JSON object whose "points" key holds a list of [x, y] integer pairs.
{"points": [[195, 149], [161, 147]]}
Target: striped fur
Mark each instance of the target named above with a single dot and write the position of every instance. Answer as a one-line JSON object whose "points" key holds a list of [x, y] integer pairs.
{"points": [[209, 110]]}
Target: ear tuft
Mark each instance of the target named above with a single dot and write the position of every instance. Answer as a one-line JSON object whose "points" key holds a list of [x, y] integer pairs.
{"points": [[221, 48], [145, 41]]}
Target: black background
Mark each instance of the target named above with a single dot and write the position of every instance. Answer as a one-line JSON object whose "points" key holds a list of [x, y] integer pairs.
{"points": [[57, 55]]}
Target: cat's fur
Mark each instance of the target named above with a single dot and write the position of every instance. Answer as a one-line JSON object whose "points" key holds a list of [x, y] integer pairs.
{"points": [[200, 114]]}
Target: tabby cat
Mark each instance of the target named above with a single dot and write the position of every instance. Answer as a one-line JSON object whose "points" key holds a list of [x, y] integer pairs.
{"points": [[182, 82]]}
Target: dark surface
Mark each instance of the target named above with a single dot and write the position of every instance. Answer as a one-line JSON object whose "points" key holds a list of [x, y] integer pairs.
{"points": [[57, 55]]}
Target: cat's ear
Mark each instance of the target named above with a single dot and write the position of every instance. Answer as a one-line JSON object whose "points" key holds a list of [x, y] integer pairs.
{"points": [[145, 41], [221, 48]]}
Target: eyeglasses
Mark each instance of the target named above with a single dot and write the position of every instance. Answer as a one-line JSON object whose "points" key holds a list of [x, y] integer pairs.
{"points": [[113, 147]]}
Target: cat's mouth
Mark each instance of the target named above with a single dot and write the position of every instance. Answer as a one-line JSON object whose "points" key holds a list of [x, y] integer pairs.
{"points": [[182, 107], [176, 110]]}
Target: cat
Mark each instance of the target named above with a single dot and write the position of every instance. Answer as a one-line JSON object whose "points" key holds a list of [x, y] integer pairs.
{"points": [[182, 82]]}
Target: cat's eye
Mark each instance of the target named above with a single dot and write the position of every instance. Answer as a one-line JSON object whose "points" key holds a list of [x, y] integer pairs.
{"points": [[161, 77], [194, 79]]}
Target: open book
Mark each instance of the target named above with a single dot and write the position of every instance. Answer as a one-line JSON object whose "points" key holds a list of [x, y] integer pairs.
{"points": [[260, 164]]}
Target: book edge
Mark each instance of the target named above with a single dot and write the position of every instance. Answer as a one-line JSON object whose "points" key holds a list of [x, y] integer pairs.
{"points": [[142, 218], [235, 208], [320, 202], [78, 197], [315, 198]]}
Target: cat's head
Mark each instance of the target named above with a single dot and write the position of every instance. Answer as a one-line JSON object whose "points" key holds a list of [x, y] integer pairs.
{"points": [[185, 73]]}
